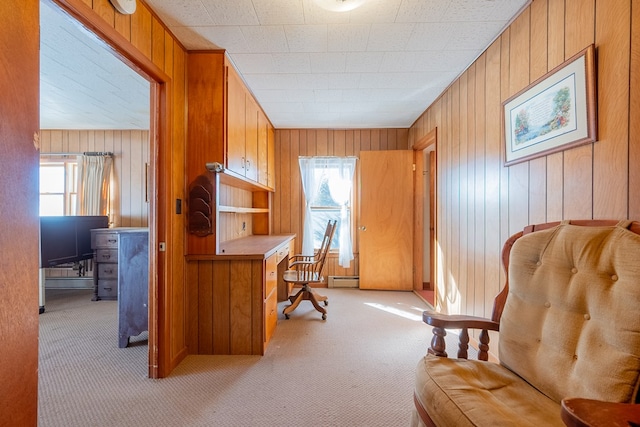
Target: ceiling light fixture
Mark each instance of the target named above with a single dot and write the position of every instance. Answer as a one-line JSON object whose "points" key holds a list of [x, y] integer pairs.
{"points": [[339, 5]]}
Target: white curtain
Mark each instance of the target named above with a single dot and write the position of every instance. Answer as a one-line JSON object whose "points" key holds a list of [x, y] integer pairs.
{"points": [[94, 174], [340, 184], [340, 190], [310, 189]]}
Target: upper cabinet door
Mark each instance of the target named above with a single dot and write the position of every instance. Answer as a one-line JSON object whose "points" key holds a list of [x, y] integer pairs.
{"points": [[236, 125], [263, 154], [251, 139]]}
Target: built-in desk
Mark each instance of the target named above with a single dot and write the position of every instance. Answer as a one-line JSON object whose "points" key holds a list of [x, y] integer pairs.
{"points": [[232, 296]]}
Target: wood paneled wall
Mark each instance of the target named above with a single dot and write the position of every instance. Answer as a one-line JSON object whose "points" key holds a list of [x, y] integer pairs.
{"points": [[19, 243], [129, 203], [481, 202], [288, 200], [145, 42]]}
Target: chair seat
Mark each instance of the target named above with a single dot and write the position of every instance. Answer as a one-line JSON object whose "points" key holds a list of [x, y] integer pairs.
{"points": [[461, 392], [296, 276]]}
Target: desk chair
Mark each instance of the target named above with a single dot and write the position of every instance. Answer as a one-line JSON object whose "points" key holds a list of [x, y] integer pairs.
{"points": [[306, 270]]}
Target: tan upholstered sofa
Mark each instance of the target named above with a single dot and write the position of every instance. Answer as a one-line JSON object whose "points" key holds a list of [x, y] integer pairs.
{"points": [[569, 327]]}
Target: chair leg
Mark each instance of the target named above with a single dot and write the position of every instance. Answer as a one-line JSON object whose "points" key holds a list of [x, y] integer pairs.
{"points": [[295, 302], [314, 301], [320, 298], [306, 294]]}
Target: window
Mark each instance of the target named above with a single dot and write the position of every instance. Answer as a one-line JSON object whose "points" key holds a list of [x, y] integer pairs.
{"points": [[327, 183], [58, 187], [325, 207]]}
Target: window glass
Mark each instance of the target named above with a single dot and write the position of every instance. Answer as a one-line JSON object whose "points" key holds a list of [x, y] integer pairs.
{"points": [[58, 187], [324, 207]]}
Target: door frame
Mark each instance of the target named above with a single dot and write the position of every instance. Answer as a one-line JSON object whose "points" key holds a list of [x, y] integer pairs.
{"points": [[426, 142], [158, 188]]}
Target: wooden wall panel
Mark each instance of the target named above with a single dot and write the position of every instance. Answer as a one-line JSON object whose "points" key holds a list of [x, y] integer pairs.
{"points": [[578, 170], [595, 180], [149, 45], [611, 152], [555, 57], [519, 60], [288, 200], [634, 113]]}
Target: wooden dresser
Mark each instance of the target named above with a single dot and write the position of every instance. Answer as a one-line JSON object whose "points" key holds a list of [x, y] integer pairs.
{"points": [[122, 273], [235, 295]]}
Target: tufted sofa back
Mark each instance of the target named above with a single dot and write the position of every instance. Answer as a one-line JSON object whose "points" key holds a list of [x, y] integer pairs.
{"points": [[573, 309]]}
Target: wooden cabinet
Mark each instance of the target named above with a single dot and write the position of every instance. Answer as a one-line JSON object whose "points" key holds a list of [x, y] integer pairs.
{"points": [[224, 120], [230, 143]]}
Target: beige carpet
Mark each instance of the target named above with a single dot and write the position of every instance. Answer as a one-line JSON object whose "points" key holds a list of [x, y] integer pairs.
{"points": [[354, 369]]}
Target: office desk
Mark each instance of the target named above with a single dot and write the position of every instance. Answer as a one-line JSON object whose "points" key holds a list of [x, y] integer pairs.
{"points": [[232, 296]]}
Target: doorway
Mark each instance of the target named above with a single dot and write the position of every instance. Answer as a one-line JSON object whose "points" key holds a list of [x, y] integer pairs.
{"points": [[136, 179], [425, 220]]}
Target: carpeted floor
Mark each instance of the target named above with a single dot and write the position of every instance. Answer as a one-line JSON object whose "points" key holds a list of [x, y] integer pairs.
{"points": [[354, 369]]}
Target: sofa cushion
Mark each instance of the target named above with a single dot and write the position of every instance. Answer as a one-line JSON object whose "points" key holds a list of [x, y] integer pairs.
{"points": [[460, 392], [571, 322]]}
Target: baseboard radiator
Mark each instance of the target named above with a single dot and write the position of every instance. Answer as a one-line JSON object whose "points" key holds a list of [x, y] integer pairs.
{"points": [[343, 281]]}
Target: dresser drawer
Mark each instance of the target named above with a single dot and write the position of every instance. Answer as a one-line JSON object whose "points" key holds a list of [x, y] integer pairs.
{"points": [[107, 255], [107, 271], [106, 240], [108, 288]]}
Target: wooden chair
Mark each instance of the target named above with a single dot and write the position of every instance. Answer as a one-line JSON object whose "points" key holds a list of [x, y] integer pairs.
{"points": [[306, 270], [560, 274]]}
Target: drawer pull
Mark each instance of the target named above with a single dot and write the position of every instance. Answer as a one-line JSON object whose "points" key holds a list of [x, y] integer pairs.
{"points": [[111, 240]]}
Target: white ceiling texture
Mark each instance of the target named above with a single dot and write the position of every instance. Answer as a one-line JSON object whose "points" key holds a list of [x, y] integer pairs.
{"points": [[378, 66]]}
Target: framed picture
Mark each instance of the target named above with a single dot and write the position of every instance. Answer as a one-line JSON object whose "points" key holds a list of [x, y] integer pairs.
{"points": [[554, 113]]}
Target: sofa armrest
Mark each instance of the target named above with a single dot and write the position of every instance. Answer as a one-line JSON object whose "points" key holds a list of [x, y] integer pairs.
{"points": [[441, 322], [593, 413]]}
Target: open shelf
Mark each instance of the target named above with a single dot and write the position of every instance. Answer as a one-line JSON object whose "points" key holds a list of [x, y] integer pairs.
{"points": [[235, 209]]}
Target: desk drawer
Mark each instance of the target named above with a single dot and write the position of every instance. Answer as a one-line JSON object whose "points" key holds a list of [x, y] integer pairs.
{"points": [[108, 288], [271, 274], [270, 315], [283, 253], [107, 271], [107, 255]]}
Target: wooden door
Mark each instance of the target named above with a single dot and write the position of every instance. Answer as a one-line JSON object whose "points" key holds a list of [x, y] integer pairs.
{"points": [[251, 139], [386, 220]]}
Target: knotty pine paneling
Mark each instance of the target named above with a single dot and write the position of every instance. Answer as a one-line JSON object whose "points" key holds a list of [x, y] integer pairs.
{"points": [[288, 200], [593, 181], [146, 42]]}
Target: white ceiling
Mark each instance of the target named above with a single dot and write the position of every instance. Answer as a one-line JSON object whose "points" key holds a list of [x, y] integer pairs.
{"points": [[380, 65]]}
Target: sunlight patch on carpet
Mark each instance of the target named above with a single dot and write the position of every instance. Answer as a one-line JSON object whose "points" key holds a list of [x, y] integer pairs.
{"points": [[396, 311]]}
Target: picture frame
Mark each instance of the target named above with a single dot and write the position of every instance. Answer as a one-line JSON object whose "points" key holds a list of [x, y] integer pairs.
{"points": [[554, 113]]}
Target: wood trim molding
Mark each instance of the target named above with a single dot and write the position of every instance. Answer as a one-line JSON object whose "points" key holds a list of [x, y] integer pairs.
{"points": [[427, 140], [159, 136]]}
